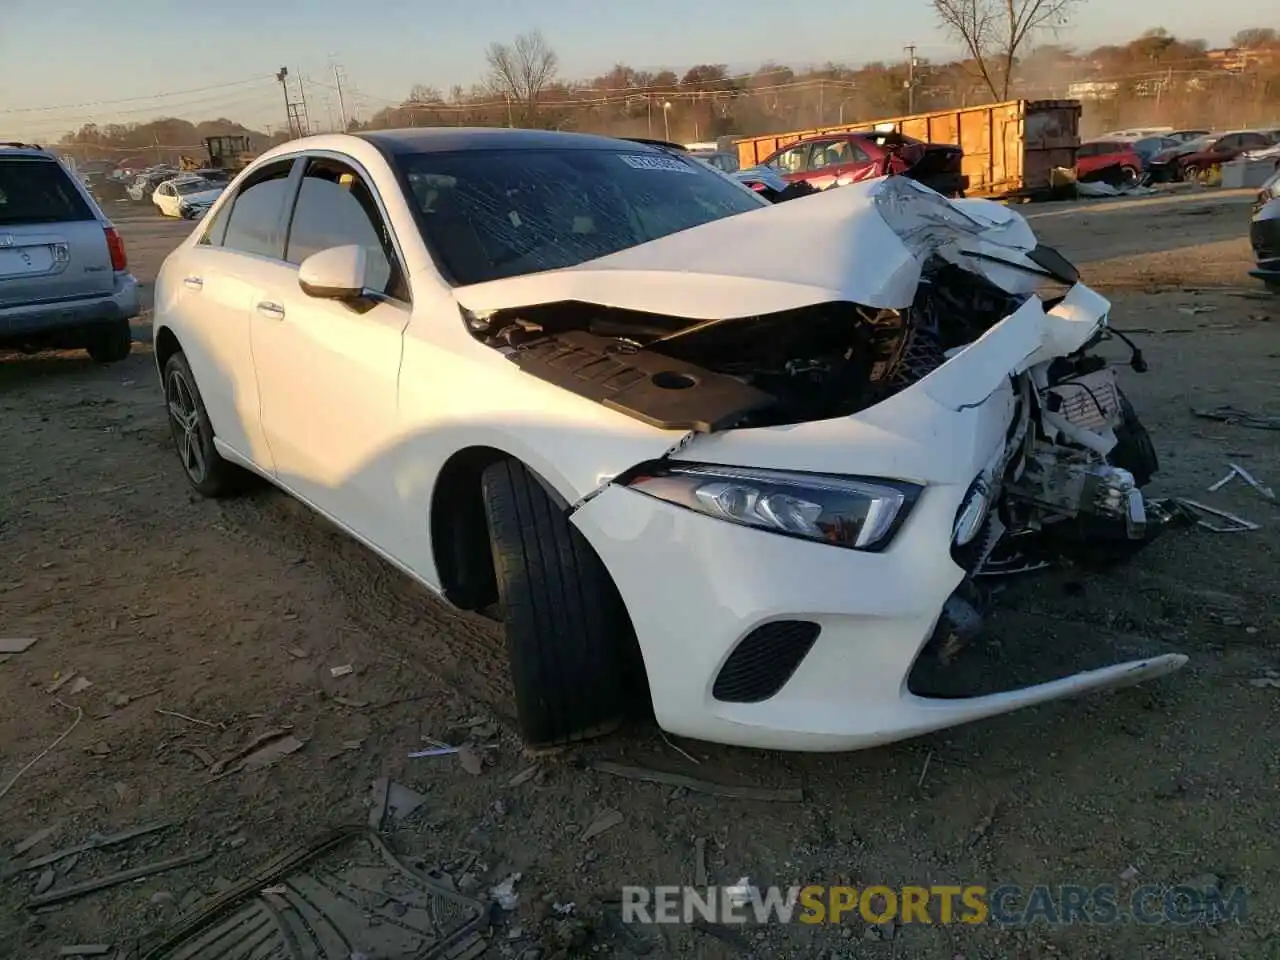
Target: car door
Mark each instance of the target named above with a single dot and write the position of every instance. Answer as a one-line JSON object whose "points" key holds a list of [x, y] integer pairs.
{"points": [[213, 284], [328, 370], [163, 199]]}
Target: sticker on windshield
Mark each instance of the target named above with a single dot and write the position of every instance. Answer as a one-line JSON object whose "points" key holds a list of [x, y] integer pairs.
{"points": [[642, 161]]}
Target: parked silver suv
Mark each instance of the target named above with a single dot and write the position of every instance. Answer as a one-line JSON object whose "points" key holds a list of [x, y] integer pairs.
{"points": [[64, 277]]}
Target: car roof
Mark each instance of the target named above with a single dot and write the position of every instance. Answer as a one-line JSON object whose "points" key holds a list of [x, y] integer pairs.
{"points": [[15, 149], [455, 139]]}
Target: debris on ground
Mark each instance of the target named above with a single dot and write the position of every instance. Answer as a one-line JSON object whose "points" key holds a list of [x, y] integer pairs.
{"points": [[524, 776], [391, 799], [1129, 873], [35, 839], [434, 752], [85, 950], [504, 894], [93, 843], [679, 780], [261, 751], [1239, 471], [15, 644], [1237, 417], [348, 702], [470, 759], [46, 751], [183, 716], [606, 821], [59, 894], [1271, 682], [345, 670], [1198, 511]]}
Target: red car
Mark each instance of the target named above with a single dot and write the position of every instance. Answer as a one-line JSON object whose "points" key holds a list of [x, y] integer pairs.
{"points": [[1192, 159], [847, 157], [1094, 156]]}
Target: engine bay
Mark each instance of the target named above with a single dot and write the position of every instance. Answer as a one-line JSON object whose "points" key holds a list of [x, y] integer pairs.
{"points": [[812, 363]]}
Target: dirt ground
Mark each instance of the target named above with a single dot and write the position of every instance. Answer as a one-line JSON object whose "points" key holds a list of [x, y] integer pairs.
{"points": [[203, 625]]}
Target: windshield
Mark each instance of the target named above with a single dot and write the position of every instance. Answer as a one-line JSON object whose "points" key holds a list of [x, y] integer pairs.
{"points": [[494, 214], [183, 187]]}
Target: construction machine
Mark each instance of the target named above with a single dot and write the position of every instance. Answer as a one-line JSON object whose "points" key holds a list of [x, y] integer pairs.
{"points": [[228, 153]]}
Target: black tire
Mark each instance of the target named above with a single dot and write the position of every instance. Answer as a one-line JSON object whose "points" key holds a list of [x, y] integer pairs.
{"points": [[566, 625], [1130, 175], [1273, 286], [206, 471], [1191, 173], [112, 343]]}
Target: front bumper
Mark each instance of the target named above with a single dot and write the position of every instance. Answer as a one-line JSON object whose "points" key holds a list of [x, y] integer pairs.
{"points": [[695, 587], [33, 319], [1264, 235]]}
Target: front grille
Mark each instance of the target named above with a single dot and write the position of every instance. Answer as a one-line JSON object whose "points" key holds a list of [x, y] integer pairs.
{"points": [[764, 660]]}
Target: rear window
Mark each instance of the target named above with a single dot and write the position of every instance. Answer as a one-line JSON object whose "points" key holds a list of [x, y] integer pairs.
{"points": [[38, 191], [488, 215]]}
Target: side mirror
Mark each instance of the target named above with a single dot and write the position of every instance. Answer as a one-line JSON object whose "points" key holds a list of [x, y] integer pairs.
{"points": [[337, 273]]}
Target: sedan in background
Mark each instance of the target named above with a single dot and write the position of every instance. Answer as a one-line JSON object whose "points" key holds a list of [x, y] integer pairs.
{"points": [[1264, 234], [1109, 160], [172, 196], [843, 158], [1191, 160]]}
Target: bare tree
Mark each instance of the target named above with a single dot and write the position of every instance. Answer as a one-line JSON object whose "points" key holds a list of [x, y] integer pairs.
{"points": [[993, 31], [521, 70]]}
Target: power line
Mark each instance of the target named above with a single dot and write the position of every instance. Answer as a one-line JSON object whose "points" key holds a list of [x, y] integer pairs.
{"points": [[154, 96]]}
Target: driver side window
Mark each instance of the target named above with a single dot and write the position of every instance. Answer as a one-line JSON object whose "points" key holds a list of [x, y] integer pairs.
{"points": [[336, 208]]}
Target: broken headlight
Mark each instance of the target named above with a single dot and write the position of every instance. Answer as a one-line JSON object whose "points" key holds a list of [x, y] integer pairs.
{"points": [[852, 512]]}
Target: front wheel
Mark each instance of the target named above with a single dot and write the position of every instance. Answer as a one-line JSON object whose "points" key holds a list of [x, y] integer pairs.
{"points": [[208, 473], [112, 343], [566, 625], [1191, 173]]}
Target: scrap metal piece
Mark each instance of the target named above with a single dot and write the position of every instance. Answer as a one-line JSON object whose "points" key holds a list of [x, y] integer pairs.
{"points": [[1248, 478], [1237, 524], [92, 844], [124, 876]]}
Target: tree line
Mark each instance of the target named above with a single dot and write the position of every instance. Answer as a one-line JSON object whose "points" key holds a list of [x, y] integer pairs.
{"points": [[1156, 77]]}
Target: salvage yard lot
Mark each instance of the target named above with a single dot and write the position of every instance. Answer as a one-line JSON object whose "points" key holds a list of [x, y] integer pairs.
{"points": [[201, 626]]}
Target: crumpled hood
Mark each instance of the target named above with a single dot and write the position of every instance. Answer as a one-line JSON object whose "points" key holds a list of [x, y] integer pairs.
{"points": [[202, 199], [832, 246], [865, 243]]}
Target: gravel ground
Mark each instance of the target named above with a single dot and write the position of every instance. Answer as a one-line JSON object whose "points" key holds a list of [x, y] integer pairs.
{"points": [[203, 625]]}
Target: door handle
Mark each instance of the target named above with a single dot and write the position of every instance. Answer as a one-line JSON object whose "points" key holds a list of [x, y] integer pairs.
{"points": [[272, 311], [195, 283]]}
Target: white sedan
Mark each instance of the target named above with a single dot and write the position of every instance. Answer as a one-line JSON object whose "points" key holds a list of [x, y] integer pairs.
{"points": [[176, 197], [747, 463]]}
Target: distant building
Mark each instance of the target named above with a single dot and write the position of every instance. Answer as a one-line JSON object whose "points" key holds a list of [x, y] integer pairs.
{"points": [[1093, 90]]}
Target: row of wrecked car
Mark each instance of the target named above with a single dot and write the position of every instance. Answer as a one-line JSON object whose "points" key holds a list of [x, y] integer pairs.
{"points": [[1123, 159]]}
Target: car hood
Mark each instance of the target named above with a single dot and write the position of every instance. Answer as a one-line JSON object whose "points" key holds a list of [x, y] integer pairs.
{"points": [[865, 243]]}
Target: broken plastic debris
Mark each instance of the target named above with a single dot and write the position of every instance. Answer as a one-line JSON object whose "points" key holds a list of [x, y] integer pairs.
{"points": [[434, 752], [563, 909], [341, 671], [80, 685], [739, 894], [1129, 873], [504, 894], [15, 644], [606, 821], [470, 760]]}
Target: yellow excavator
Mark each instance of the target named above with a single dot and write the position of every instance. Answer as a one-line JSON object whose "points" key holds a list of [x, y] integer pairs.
{"points": [[230, 154]]}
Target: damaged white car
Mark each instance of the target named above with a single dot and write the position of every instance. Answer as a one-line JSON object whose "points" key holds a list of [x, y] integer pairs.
{"points": [[744, 462]]}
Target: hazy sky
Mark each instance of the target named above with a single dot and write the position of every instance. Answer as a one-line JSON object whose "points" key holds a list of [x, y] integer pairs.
{"points": [[217, 59]]}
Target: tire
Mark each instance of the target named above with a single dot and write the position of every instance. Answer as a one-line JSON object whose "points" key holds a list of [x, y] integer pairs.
{"points": [[206, 471], [1191, 173], [112, 343], [1131, 175], [1134, 450], [566, 625]]}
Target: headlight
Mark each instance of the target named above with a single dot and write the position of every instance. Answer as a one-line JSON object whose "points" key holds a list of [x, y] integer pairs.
{"points": [[852, 512], [971, 515]]}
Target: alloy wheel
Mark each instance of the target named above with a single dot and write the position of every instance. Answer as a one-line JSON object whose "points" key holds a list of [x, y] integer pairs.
{"points": [[184, 419]]}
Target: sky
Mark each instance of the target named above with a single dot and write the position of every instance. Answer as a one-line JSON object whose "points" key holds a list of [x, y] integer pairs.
{"points": [[85, 60]]}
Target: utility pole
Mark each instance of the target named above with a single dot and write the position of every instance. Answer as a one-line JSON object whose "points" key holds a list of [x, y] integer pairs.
{"points": [[342, 104], [911, 77], [283, 77]]}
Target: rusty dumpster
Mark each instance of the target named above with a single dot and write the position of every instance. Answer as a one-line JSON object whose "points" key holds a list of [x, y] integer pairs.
{"points": [[1009, 148]]}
